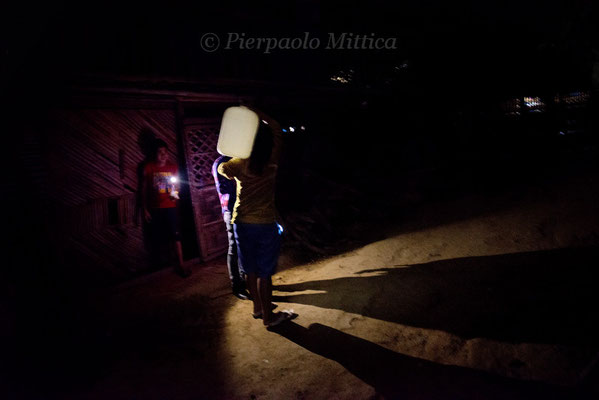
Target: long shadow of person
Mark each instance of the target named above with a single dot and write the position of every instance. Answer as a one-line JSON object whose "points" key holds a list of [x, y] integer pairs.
{"points": [[539, 297], [396, 376]]}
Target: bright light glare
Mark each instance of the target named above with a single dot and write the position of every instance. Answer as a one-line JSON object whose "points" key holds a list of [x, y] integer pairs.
{"points": [[173, 179]]}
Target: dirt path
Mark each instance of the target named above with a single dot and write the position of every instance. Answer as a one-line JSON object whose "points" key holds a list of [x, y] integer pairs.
{"points": [[498, 305]]}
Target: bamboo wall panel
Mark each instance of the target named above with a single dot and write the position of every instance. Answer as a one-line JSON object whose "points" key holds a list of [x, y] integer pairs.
{"points": [[87, 147], [93, 158]]}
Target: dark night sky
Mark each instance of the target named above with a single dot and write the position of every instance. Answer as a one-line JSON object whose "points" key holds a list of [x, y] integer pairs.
{"points": [[447, 44]]}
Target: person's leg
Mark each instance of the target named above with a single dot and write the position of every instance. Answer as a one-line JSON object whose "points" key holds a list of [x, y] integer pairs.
{"points": [[265, 293], [235, 275], [252, 283], [172, 222], [162, 237], [247, 237], [238, 281], [179, 251], [153, 242], [267, 255], [174, 246], [232, 263]]}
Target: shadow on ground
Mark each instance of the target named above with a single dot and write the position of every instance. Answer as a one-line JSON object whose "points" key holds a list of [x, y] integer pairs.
{"points": [[396, 376], [539, 297], [145, 347], [326, 218]]}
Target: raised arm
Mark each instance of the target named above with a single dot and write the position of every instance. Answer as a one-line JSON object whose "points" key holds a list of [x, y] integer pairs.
{"points": [[277, 135], [229, 169]]}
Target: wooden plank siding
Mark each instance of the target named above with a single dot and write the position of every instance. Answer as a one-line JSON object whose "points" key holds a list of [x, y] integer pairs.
{"points": [[85, 155], [92, 161], [81, 157]]}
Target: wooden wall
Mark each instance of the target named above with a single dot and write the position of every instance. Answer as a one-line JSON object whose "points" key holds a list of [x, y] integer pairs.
{"points": [[92, 158]]}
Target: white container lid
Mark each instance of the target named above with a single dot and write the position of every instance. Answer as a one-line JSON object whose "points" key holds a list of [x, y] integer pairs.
{"points": [[237, 132]]}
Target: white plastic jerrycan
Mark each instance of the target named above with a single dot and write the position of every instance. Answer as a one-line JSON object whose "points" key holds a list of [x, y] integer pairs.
{"points": [[237, 132]]}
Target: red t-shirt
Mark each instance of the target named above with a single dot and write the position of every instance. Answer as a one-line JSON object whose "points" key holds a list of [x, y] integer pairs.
{"points": [[158, 181]]}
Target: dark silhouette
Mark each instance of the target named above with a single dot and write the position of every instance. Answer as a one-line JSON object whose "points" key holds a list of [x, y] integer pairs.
{"points": [[396, 376], [227, 194], [539, 297], [160, 197]]}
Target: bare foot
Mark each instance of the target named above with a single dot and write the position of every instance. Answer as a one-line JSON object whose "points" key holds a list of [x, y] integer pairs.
{"points": [[258, 314], [280, 317]]}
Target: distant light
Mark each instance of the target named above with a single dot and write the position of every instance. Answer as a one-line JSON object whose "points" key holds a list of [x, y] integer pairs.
{"points": [[173, 179], [562, 133], [575, 99], [340, 79], [265, 122], [533, 102], [291, 129], [284, 130], [303, 128], [280, 228]]}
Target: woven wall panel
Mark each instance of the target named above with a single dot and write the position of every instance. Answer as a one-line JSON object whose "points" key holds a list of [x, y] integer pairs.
{"points": [[110, 254], [91, 158], [88, 148], [216, 239], [210, 205], [200, 152]]}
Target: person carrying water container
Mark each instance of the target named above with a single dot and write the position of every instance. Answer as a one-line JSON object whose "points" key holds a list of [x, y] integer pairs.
{"points": [[254, 217]]}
